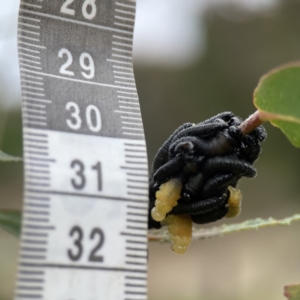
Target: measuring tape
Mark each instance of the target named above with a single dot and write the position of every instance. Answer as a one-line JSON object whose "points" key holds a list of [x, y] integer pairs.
{"points": [[84, 231]]}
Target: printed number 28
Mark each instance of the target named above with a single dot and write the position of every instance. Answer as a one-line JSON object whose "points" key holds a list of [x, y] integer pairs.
{"points": [[89, 9]]}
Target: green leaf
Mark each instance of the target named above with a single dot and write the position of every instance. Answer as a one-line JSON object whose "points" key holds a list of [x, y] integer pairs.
{"points": [[277, 97], [292, 291], [10, 221], [8, 158]]}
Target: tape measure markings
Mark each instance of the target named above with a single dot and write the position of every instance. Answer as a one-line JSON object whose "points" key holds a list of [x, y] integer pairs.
{"points": [[75, 80], [76, 22], [43, 192], [61, 266], [51, 192], [28, 44]]}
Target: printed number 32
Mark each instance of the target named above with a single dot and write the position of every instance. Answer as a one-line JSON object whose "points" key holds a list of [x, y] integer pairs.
{"points": [[78, 243]]}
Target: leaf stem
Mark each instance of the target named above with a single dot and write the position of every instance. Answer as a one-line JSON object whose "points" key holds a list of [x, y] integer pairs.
{"points": [[252, 122]]}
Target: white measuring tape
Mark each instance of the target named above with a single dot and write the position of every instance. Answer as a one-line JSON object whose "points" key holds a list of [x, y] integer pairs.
{"points": [[84, 231]]}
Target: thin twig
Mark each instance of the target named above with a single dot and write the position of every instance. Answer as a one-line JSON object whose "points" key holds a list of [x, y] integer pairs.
{"points": [[205, 233]]}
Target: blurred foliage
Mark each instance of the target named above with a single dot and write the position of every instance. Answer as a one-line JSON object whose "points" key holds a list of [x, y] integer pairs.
{"points": [[292, 291], [237, 54], [11, 221], [11, 185], [8, 158], [12, 134]]}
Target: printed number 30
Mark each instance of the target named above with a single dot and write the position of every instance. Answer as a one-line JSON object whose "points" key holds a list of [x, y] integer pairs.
{"points": [[75, 121]]}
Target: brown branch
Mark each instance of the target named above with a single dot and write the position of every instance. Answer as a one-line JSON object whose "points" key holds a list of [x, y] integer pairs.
{"points": [[252, 122]]}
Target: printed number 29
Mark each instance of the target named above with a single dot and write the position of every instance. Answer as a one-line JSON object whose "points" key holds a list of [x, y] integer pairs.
{"points": [[85, 60]]}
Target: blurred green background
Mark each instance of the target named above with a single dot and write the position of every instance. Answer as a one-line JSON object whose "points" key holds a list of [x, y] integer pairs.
{"points": [[241, 45]]}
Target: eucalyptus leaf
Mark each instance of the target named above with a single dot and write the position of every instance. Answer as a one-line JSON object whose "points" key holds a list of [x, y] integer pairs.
{"points": [[292, 291], [277, 97], [10, 221], [8, 158]]}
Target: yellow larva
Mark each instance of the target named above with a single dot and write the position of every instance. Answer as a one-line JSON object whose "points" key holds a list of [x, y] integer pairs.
{"points": [[166, 198], [234, 202], [180, 231], [180, 227]]}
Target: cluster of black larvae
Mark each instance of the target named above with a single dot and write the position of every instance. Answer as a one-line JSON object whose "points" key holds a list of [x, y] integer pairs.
{"points": [[199, 167]]}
